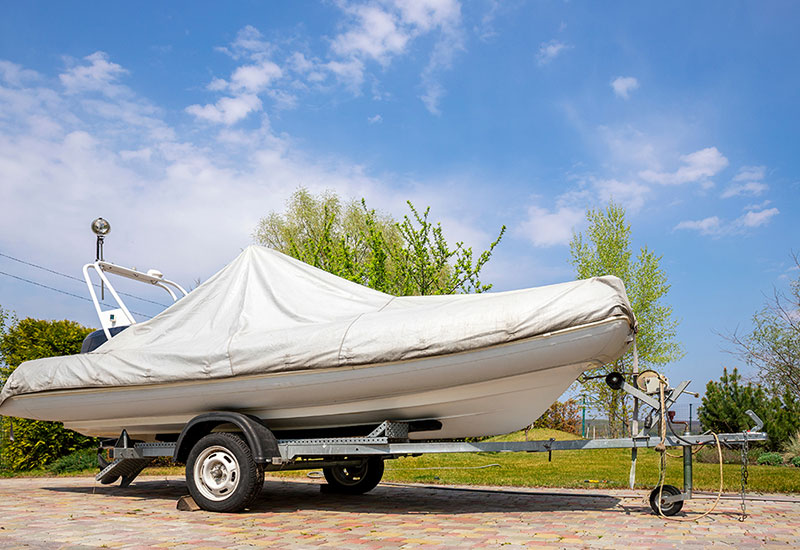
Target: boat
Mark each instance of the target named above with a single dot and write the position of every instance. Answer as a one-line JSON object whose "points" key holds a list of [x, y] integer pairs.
{"points": [[308, 352]]}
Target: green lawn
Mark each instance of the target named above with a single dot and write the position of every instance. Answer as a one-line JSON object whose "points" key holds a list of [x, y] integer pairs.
{"points": [[592, 468]]}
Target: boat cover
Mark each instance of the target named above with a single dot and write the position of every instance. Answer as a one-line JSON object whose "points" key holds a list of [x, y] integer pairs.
{"points": [[267, 313]]}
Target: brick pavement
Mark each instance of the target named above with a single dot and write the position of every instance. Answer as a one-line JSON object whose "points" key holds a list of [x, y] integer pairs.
{"points": [[74, 513]]}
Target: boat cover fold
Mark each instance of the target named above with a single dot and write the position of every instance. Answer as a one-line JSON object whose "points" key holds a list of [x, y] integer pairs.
{"points": [[268, 313]]}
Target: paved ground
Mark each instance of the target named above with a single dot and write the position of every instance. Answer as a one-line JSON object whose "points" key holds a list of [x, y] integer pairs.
{"points": [[75, 513]]}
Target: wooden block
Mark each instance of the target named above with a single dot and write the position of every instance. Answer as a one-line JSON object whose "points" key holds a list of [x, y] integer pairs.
{"points": [[187, 504]]}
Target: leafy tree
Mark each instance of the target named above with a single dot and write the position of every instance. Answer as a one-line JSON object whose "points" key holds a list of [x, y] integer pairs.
{"points": [[725, 403], [564, 416], [35, 442], [773, 347], [605, 249], [350, 240]]}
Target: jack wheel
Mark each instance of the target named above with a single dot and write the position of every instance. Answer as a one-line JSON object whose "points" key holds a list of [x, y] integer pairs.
{"points": [[667, 509], [354, 480]]}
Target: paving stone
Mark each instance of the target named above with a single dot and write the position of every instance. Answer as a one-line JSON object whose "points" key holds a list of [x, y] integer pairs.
{"points": [[65, 513]]}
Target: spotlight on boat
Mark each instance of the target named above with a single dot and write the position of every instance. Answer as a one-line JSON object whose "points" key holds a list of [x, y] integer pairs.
{"points": [[101, 227], [615, 380]]}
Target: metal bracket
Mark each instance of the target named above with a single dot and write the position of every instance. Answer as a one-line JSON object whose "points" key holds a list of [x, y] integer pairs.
{"points": [[756, 419]]}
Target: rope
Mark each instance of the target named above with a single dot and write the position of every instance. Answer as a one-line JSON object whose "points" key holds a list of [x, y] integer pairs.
{"points": [[662, 448]]}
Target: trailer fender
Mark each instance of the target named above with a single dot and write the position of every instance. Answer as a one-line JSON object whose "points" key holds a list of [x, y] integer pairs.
{"points": [[259, 438]]}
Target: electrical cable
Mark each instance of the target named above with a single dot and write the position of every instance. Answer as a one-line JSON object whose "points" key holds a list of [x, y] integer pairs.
{"points": [[66, 292], [77, 279]]}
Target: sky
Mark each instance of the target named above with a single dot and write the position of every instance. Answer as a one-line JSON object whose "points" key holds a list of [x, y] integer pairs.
{"points": [[184, 123]]}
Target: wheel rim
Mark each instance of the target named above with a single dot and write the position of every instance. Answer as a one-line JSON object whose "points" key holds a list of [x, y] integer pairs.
{"points": [[216, 473], [350, 475], [666, 507]]}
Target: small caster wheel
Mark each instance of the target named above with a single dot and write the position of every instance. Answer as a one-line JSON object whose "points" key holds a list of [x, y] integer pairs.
{"points": [[667, 508]]}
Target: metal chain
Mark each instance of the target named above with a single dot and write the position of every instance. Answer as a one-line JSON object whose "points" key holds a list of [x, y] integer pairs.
{"points": [[745, 475]]}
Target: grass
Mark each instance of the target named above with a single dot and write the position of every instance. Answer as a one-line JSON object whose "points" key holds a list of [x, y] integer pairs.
{"points": [[585, 469]]}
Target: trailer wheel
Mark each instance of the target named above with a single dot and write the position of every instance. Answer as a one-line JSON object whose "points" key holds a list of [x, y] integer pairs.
{"points": [[221, 473], [354, 480], [668, 509]]}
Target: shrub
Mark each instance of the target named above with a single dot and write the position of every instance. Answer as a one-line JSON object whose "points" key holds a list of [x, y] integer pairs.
{"points": [[37, 443], [725, 403], [770, 459], [561, 416], [795, 461], [85, 459], [792, 447]]}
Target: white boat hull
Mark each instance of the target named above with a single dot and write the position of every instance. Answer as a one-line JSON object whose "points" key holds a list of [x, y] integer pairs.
{"points": [[484, 392]]}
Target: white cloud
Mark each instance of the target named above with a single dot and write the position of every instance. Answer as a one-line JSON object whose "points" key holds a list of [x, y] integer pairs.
{"points": [[381, 32], [16, 75], [714, 226], [630, 194], [375, 34], [255, 78], [549, 51], [758, 218], [350, 73], [624, 85], [747, 182], [228, 110], [98, 75], [249, 44], [697, 167], [751, 173], [706, 226], [377, 119], [545, 228]]}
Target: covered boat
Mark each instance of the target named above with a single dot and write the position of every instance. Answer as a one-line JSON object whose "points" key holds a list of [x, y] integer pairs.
{"points": [[305, 350]]}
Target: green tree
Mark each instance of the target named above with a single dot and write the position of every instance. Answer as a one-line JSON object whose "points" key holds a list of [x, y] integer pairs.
{"points": [[605, 249], [348, 239], [725, 403], [773, 346], [37, 443]]}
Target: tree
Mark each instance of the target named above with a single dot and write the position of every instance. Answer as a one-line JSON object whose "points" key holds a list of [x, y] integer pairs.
{"points": [[35, 442], [725, 403], [350, 240], [773, 347], [605, 249]]}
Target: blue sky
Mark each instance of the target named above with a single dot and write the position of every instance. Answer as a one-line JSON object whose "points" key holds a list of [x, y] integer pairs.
{"points": [[183, 123]]}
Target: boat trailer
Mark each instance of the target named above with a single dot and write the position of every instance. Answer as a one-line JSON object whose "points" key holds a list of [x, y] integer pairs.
{"points": [[227, 453]]}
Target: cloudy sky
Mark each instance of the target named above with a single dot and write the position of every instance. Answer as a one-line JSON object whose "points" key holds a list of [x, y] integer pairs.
{"points": [[183, 123]]}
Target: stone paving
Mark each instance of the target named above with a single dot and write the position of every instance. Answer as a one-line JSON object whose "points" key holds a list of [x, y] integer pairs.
{"points": [[75, 513]]}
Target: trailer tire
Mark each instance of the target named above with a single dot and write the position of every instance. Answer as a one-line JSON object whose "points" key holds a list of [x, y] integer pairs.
{"points": [[221, 474], [667, 509], [354, 480]]}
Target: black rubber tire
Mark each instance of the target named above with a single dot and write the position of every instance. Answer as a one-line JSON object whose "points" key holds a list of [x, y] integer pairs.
{"points": [[354, 480], [666, 509], [250, 475]]}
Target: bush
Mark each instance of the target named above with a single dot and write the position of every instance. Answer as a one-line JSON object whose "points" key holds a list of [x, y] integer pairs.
{"points": [[770, 459], [37, 443], [795, 461], [725, 403], [708, 455], [792, 447], [85, 459], [561, 416]]}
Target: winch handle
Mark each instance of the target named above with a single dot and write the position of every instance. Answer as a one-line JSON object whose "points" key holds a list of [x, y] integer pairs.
{"points": [[756, 419]]}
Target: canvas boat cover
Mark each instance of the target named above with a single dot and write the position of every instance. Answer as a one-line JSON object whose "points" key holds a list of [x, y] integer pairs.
{"points": [[267, 313]]}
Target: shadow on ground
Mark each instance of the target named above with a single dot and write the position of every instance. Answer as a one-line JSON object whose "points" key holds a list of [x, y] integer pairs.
{"points": [[290, 496]]}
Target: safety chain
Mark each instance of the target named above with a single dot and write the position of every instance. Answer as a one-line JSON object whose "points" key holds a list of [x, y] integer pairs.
{"points": [[745, 475]]}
